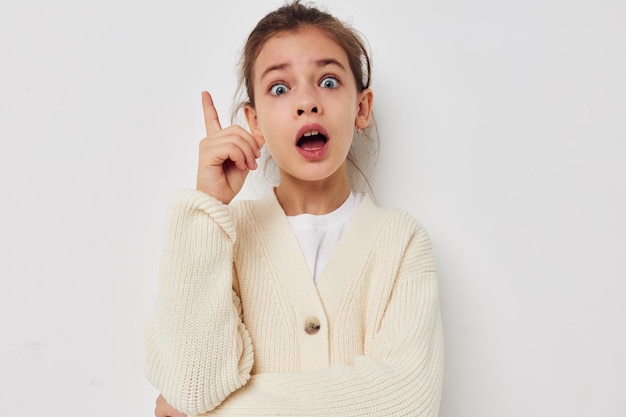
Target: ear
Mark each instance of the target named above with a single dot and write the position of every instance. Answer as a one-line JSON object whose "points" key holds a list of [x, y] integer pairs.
{"points": [[364, 113], [252, 119]]}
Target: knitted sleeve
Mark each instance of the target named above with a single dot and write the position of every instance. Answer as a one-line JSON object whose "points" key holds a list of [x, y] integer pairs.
{"points": [[399, 375], [193, 368]]}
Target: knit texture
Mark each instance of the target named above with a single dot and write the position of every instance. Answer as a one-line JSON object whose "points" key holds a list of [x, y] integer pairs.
{"points": [[228, 336]]}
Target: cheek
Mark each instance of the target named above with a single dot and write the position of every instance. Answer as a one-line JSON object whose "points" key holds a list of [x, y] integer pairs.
{"points": [[274, 123], [272, 143]]}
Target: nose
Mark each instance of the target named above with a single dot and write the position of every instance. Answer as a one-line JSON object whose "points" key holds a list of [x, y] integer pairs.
{"points": [[307, 102], [301, 111]]}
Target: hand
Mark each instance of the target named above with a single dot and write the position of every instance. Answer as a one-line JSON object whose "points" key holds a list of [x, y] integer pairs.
{"points": [[163, 409], [226, 155]]}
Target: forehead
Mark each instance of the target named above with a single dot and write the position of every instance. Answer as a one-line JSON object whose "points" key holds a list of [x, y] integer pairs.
{"points": [[304, 46]]}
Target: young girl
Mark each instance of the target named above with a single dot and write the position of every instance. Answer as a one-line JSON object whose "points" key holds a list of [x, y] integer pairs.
{"points": [[312, 300]]}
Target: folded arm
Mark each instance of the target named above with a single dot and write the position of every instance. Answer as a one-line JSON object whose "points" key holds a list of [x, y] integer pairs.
{"points": [[197, 350]]}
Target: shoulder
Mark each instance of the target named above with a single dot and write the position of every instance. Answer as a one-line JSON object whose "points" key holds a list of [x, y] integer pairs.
{"points": [[240, 208], [262, 215], [397, 220], [400, 229], [257, 209]]}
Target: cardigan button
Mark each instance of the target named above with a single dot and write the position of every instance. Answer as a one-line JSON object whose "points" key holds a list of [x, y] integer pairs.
{"points": [[312, 325]]}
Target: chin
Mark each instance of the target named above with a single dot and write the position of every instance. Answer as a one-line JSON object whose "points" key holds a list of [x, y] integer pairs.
{"points": [[316, 172]]}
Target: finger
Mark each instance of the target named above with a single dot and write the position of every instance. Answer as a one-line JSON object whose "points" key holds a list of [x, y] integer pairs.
{"points": [[164, 409], [255, 140], [237, 155], [239, 134], [158, 409], [236, 147], [258, 137], [211, 119], [159, 413]]}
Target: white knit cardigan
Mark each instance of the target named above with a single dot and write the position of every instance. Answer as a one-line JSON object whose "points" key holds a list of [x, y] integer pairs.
{"points": [[240, 329]]}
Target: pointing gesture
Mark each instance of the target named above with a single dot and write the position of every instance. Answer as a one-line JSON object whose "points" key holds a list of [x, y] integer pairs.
{"points": [[211, 120], [225, 156]]}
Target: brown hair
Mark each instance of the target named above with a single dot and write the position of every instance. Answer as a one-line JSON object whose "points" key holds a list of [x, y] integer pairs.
{"points": [[293, 17]]}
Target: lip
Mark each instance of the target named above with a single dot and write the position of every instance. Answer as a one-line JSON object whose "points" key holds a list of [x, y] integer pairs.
{"points": [[312, 154], [308, 128]]}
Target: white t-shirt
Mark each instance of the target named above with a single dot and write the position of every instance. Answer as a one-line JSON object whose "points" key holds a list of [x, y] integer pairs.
{"points": [[318, 235]]}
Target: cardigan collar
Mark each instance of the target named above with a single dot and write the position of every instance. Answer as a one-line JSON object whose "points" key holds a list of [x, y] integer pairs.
{"points": [[344, 265]]}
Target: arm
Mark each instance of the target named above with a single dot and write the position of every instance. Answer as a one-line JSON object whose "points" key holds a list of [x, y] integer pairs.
{"points": [[197, 349], [400, 374]]}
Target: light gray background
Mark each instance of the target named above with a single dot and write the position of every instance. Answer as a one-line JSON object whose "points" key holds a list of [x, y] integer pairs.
{"points": [[503, 128]]}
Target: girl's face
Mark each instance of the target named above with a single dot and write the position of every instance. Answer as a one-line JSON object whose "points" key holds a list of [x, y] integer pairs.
{"points": [[307, 104]]}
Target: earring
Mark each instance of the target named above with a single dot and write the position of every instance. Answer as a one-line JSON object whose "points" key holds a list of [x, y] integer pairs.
{"points": [[359, 131]]}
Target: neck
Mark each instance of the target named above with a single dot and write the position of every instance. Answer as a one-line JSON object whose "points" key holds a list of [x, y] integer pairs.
{"points": [[313, 197]]}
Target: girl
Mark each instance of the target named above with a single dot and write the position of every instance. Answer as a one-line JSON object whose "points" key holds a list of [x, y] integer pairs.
{"points": [[310, 301]]}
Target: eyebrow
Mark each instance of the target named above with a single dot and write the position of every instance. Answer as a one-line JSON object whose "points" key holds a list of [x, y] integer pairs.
{"points": [[319, 63]]}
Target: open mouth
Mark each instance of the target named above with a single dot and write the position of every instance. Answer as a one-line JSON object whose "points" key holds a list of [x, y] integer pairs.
{"points": [[312, 140]]}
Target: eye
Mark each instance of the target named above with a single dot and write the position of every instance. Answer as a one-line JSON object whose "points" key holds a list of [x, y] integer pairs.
{"points": [[278, 89], [329, 82]]}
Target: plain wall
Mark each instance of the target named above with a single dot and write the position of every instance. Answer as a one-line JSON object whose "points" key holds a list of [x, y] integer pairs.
{"points": [[503, 130]]}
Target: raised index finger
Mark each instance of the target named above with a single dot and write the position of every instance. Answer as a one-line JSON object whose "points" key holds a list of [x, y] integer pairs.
{"points": [[211, 119]]}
